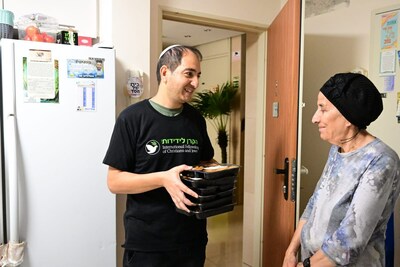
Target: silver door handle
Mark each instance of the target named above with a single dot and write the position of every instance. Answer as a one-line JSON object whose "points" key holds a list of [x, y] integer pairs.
{"points": [[304, 170]]}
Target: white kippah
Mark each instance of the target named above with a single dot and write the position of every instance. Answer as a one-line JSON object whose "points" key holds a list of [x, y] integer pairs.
{"points": [[168, 48]]}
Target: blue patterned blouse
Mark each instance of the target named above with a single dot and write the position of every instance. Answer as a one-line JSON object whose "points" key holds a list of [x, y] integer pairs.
{"points": [[348, 212]]}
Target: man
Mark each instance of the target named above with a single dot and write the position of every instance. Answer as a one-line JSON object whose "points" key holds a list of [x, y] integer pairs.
{"points": [[153, 141]]}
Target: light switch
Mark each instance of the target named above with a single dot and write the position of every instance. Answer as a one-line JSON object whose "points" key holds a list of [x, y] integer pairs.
{"points": [[275, 109]]}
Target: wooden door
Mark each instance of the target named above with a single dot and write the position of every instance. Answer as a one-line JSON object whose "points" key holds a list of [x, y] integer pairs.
{"points": [[283, 66]]}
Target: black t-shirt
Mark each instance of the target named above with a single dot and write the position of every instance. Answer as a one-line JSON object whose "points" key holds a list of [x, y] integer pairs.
{"points": [[146, 141]]}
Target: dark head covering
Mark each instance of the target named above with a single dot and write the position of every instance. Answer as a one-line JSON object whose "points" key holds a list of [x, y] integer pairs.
{"points": [[355, 96]]}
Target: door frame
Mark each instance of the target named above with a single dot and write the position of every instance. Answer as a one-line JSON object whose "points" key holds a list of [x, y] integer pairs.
{"points": [[254, 155], [254, 120]]}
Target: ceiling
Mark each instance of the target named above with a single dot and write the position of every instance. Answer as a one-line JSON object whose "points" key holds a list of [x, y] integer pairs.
{"points": [[189, 34]]}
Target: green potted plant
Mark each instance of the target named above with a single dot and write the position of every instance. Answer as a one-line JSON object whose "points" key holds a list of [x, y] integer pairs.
{"points": [[216, 105]]}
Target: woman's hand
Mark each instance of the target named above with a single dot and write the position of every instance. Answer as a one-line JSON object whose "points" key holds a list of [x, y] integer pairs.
{"points": [[290, 260]]}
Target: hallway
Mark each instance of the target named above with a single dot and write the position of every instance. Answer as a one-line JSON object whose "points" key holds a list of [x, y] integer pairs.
{"points": [[225, 231]]}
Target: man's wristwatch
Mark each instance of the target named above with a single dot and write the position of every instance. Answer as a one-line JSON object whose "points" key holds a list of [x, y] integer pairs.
{"points": [[306, 262]]}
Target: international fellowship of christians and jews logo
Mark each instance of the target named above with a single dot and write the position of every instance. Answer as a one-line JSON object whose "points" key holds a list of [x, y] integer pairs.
{"points": [[152, 147]]}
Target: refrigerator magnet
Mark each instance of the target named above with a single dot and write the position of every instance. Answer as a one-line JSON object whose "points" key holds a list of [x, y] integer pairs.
{"points": [[91, 68]]}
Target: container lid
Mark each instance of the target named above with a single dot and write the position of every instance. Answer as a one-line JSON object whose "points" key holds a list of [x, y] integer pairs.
{"points": [[38, 20], [6, 17]]}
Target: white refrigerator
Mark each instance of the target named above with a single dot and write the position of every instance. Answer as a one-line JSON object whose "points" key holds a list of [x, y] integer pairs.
{"points": [[58, 112]]}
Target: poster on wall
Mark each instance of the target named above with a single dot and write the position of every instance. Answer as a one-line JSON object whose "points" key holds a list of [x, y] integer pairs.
{"points": [[387, 62], [388, 43], [389, 30], [388, 83], [398, 107]]}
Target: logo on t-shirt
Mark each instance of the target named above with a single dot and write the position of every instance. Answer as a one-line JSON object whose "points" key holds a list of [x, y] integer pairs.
{"points": [[152, 147], [172, 146]]}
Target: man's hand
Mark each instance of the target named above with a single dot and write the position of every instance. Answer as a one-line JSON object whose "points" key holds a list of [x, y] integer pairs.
{"points": [[176, 189]]}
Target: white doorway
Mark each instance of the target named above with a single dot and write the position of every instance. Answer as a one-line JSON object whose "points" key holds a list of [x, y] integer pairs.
{"points": [[229, 226]]}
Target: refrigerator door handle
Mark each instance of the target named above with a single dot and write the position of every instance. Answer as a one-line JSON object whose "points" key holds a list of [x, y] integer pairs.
{"points": [[2, 238], [11, 170]]}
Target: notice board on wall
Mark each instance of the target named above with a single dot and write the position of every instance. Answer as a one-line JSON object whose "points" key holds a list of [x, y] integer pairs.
{"points": [[384, 71]]}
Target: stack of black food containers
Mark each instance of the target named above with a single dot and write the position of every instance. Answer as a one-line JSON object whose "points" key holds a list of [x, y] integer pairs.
{"points": [[215, 185]]}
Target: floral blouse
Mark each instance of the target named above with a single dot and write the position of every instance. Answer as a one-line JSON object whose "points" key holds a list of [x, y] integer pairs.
{"points": [[348, 212]]}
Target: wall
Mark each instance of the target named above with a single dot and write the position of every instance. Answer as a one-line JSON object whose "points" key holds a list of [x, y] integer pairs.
{"points": [[257, 11], [236, 148], [253, 149], [215, 70], [337, 41], [139, 46]]}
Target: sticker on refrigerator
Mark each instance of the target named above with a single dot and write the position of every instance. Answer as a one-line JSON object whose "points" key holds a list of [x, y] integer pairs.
{"points": [[92, 68], [40, 77], [86, 100]]}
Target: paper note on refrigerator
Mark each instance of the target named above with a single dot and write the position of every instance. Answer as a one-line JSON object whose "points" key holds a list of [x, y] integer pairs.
{"points": [[86, 96], [40, 77]]}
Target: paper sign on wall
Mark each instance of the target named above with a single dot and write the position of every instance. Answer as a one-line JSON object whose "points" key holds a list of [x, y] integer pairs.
{"points": [[389, 25], [389, 43], [388, 62], [388, 83], [398, 107]]}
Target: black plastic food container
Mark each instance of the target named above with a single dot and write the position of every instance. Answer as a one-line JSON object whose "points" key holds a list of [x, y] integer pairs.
{"points": [[210, 212], [213, 172], [215, 186]]}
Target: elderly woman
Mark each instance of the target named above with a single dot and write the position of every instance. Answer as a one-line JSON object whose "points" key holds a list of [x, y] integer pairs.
{"points": [[345, 220]]}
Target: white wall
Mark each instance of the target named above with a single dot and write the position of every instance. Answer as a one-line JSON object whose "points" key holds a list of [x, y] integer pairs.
{"points": [[338, 41], [254, 149], [215, 70], [256, 11]]}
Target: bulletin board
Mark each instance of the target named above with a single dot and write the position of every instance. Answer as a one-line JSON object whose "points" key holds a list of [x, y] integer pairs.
{"points": [[384, 71]]}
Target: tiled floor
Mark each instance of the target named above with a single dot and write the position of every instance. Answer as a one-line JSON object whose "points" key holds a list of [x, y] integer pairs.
{"points": [[224, 247]]}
